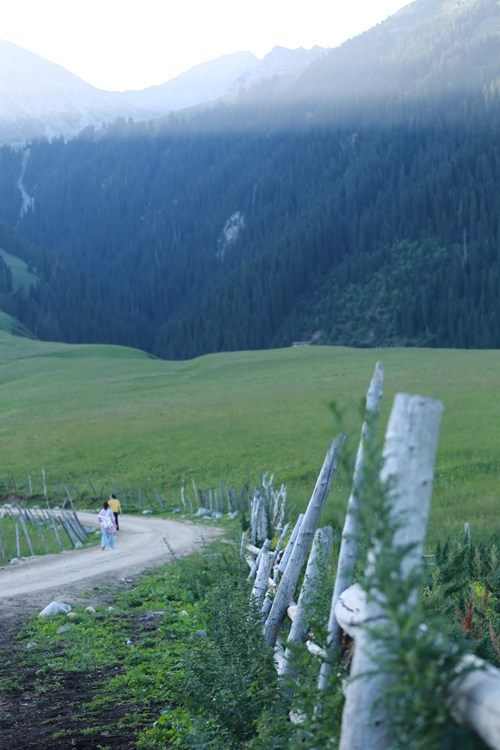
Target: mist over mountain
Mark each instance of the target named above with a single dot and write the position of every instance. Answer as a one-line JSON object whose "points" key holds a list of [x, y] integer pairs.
{"points": [[41, 99], [353, 203], [221, 78]]}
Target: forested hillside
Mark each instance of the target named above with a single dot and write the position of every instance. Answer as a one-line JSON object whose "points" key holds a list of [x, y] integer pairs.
{"points": [[358, 205]]}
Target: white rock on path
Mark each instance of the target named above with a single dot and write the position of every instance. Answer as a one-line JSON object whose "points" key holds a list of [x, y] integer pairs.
{"points": [[55, 608]]}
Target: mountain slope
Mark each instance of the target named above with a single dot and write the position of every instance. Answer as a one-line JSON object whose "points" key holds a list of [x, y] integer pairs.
{"points": [[39, 98], [356, 204]]}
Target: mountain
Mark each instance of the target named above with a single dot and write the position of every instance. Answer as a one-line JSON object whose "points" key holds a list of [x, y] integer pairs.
{"points": [[354, 203], [221, 78], [41, 99]]}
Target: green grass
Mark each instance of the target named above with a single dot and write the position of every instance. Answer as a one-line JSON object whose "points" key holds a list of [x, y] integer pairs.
{"points": [[19, 269], [104, 412], [12, 325]]}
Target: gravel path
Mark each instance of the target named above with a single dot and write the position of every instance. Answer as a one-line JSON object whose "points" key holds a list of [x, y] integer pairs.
{"points": [[139, 544]]}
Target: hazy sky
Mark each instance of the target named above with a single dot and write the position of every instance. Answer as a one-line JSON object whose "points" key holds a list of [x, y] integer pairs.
{"points": [[131, 44]]}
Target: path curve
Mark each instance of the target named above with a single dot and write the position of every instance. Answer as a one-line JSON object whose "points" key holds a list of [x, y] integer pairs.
{"points": [[139, 544]]}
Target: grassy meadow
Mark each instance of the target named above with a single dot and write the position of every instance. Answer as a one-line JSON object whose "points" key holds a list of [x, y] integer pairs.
{"points": [[105, 412]]}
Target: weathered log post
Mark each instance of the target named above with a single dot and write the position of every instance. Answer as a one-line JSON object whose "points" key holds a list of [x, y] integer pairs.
{"points": [[322, 544], [467, 532], [159, 498], [474, 695], [254, 520], [196, 493], [81, 533], [54, 527], [80, 494], [256, 564], [2, 550], [182, 496], [260, 586], [280, 541], [289, 547], [350, 535], [75, 527], [476, 700], [25, 529], [68, 529], [408, 468], [298, 556], [39, 527], [268, 600]]}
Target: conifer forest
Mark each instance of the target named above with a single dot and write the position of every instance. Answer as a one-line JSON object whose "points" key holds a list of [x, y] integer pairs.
{"points": [[358, 204]]}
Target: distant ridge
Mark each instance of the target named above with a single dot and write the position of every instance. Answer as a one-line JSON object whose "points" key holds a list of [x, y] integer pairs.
{"points": [[39, 98]]}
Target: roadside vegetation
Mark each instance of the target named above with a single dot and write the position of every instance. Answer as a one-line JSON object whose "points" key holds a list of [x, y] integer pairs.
{"points": [[175, 659]]}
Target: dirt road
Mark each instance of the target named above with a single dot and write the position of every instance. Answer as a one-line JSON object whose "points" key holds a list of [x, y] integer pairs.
{"points": [[139, 544]]}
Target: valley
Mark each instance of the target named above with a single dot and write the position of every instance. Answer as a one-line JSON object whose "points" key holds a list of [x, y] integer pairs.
{"points": [[116, 414]]}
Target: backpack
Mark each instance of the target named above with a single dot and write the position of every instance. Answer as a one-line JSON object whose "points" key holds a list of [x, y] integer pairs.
{"points": [[106, 523]]}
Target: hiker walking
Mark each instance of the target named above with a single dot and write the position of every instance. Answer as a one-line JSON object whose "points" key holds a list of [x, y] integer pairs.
{"points": [[115, 506], [106, 519]]}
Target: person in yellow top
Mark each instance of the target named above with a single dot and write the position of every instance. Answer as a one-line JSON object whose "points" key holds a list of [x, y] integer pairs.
{"points": [[115, 506]]}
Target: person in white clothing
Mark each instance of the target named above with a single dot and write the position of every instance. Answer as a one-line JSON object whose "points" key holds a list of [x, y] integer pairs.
{"points": [[106, 519]]}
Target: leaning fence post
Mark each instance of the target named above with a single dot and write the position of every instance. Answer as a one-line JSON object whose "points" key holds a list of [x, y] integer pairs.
{"points": [[69, 531], [349, 544], [182, 497], [78, 492], [255, 567], [467, 532], [54, 526], [75, 527], [32, 552], [2, 550], [298, 557], [159, 498], [322, 544], [77, 521], [408, 463], [268, 598], [39, 527], [291, 543], [260, 585], [242, 544], [196, 493]]}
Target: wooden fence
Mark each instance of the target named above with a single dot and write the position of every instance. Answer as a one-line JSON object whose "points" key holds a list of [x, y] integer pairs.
{"points": [[42, 523], [200, 502], [256, 505], [408, 462]]}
